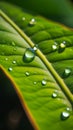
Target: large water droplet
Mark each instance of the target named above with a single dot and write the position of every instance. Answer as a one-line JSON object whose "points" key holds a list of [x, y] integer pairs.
{"points": [[10, 69], [27, 73], [66, 72], [54, 95], [43, 82], [32, 22], [65, 115], [29, 55]]}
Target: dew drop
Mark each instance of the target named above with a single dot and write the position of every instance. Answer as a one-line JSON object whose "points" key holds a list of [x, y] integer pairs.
{"points": [[13, 43], [10, 69], [14, 62], [62, 47], [29, 55], [35, 83], [65, 115], [27, 73], [34, 48], [6, 59], [43, 82], [32, 22], [68, 109], [67, 72], [54, 47], [54, 95], [23, 18]]}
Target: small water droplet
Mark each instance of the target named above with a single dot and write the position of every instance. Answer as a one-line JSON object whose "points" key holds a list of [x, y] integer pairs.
{"points": [[43, 82], [66, 72], [29, 55], [68, 109], [27, 73], [15, 49], [23, 18], [32, 22], [35, 83], [14, 62], [13, 43], [65, 115], [10, 69], [34, 48], [54, 47], [62, 47], [54, 95], [6, 59]]}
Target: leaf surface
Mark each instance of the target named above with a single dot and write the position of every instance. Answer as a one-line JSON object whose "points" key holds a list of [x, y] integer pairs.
{"points": [[42, 92]]}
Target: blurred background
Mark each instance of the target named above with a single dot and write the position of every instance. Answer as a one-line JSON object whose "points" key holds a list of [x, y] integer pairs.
{"points": [[56, 10]]}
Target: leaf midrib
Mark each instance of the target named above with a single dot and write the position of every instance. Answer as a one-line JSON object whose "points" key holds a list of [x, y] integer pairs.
{"points": [[42, 57]]}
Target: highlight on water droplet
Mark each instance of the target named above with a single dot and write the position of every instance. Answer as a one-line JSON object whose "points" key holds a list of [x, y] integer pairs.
{"points": [[35, 48], [66, 73], [29, 55], [43, 82], [32, 22], [14, 62], [54, 95], [10, 69], [65, 115], [27, 73]]}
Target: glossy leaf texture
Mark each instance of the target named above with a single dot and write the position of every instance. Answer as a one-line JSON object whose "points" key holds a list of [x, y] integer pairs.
{"points": [[46, 103]]}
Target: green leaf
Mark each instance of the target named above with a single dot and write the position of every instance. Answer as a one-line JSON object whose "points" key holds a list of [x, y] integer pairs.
{"points": [[43, 94]]}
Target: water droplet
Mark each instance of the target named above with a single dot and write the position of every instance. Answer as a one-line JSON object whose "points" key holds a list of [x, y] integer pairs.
{"points": [[14, 62], [13, 43], [62, 47], [54, 95], [35, 83], [15, 49], [34, 48], [29, 55], [54, 47], [66, 72], [68, 109], [27, 73], [23, 18], [32, 22], [43, 82], [64, 115], [10, 69], [6, 59]]}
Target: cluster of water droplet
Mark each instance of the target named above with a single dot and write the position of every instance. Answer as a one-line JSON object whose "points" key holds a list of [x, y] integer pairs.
{"points": [[61, 47]]}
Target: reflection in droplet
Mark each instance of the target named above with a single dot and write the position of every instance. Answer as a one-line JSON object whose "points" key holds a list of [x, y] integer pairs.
{"points": [[27, 73], [65, 115], [66, 72], [10, 69], [54, 95], [29, 55], [14, 62], [32, 22], [34, 48], [43, 82]]}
